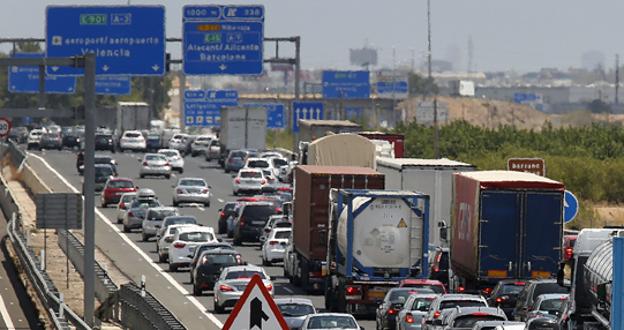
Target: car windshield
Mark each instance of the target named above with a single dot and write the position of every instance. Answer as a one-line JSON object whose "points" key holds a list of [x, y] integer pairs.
{"points": [[258, 164], [198, 236], [168, 153], [251, 175], [239, 154], [120, 184], [219, 259], [133, 135], [552, 305], [461, 303], [127, 198], [511, 289], [282, 234], [50, 136], [229, 207], [278, 162], [103, 160], [193, 183], [396, 294], [468, 321], [181, 221], [103, 137], [160, 214], [103, 171], [154, 157], [543, 288], [434, 288], [240, 274], [295, 309], [422, 304], [331, 322]]}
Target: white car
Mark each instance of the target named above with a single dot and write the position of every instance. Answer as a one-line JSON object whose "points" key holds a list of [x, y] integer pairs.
{"points": [[270, 154], [274, 246], [178, 142], [260, 163], [191, 190], [34, 138], [330, 321], [174, 158], [200, 145], [248, 180], [162, 245], [122, 206], [276, 164], [132, 140], [269, 225], [155, 165], [272, 183], [232, 283], [153, 220], [184, 243]]}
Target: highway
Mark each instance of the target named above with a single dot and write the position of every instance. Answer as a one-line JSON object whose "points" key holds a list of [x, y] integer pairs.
{"points": [[119, 247]]}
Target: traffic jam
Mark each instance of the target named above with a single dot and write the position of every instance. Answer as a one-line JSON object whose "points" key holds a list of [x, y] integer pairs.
{"points": [[408, 243]]}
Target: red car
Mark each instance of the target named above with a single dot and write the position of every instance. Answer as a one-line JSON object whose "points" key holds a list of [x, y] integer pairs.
{"points": [[435, 285], [114, 188]]}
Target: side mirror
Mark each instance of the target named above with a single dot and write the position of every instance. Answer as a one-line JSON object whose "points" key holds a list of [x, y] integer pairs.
{"points": [[601, 291], [137, 187], [190, 256], [209, 187]]}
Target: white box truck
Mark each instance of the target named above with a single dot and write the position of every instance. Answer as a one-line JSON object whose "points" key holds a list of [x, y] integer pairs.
{"points": [[132, 116], [433, 177], [242, 128]]}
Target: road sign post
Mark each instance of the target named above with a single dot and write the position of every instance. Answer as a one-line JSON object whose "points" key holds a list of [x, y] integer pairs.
{"points": [[127, 40], [25, 79], [113, 85], [306, 110], [202, 108], [222, 40], [392, 90], [570, 206], [529, 165]]}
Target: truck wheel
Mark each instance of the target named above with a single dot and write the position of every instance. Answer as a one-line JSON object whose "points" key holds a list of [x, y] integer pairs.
{"points": [[196, 290]]}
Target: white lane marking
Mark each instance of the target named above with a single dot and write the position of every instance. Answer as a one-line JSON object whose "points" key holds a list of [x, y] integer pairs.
{"points": [[5, 315], [147, 258], [289, 290], [201, 208], [220, 200]]}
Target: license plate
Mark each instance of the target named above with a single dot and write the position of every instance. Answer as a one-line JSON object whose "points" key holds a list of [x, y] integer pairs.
{"points": [[376, 294], [257, 222]]}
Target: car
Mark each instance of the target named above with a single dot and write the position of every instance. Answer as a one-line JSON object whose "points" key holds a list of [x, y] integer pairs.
{"points": [[504, 295], [56, 129], [295, 310], [200, 145], [18, 134], [208, 267], [153, 220], [210, 246], [464, 318], [235, 161], [177, 142], [442, 304], [174, 220], [250, 220], [544, 311], [174, 158], [191, 190], [568, 247], [133, 141], [274, 247], [271, 182], [277, 163], [153, 142], [386, 313], [51, 141], [270, 154], [98, 159], [103, 172], [71, 138], [133, 219], [529, 294], [232, 283], [499, 325], [122, 206], [434, 285], [224, 213], [166, 238], [184, 243], [248, 181], [260, 163], [155, 165], [114, 189], [440, 269], [330, 321], [34, 138], [270, 224], [213, 151], [104, 142], [414, 310]]}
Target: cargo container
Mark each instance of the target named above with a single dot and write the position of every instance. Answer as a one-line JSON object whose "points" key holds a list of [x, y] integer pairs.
{"points": [[505, 225], [341, 150], [396, 141], [311, 216], [433, 177], [132, 116], [376, 239]]}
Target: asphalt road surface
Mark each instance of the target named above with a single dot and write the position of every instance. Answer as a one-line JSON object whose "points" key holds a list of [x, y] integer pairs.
{"points": [[119, 248]]}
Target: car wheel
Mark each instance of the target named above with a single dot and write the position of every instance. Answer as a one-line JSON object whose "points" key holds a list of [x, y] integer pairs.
{"points": [[230, 234], [126, 229], [104, 205], [218, 309], [235, 193], [181, 171], [161, 258], [167, 176], [119, 221], [142, 176], [173, 268], [175, 203], [207, 204], [196, 291], [144, 238], [237, 241]]}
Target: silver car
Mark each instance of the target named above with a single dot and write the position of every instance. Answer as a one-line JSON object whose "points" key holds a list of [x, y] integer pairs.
{"points": [[232, 283], [175, 159], [295, 310], [191, 190], [156, 165], [248, 180], [414, 310], [153, 220], [164, 241], [133, 219], [330, 321], [200, 145], [124, 203]]}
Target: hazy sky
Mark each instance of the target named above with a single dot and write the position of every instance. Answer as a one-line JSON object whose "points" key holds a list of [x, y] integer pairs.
{"points": [[519, 35]]}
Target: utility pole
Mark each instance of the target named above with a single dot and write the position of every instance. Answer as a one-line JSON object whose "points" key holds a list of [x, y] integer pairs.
{"points": [[394, 117], [436, 132], [617, 78]]}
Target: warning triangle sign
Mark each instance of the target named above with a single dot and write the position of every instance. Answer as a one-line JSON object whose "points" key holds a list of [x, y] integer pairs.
{"points": [[255, 310], [402, 224]]}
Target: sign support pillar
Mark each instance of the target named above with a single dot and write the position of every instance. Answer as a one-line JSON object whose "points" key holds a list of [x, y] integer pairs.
{"points": [[42, 93], [182, 89], [89, 190]]}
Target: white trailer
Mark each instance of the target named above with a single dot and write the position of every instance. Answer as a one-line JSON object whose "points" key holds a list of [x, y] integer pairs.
{"points": [[243, 128], [430, 176]]}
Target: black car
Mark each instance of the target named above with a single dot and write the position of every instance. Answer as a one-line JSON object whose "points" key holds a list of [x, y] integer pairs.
{"points": [[529, 294], [207, 247], [71, 138], [18, 134], [249, 223], [224, 213], [104, 142], [51, 141], [99, 159], [153, 142], [505, 294], [102, 173], [385, 316], [209, 267]]}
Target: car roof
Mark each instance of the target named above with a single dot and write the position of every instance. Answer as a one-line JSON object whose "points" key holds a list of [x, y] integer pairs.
{"points": [[152, 154], [162, 208], [197, 228], [302, 301], [276, 229], [181, 216], [244, 267], [423, 281], [460, 311], [256, 158], [550, 296], [119, 179], [174, 150], [104, 165], [191, 178], [220, 251]]}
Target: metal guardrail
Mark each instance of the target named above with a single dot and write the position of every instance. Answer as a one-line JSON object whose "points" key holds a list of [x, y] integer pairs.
{"points": [[140, 310]]}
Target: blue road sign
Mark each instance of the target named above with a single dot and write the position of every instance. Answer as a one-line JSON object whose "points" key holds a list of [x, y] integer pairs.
{"points": [[112, 85], [306, 110], [127, 40], [203, 107], [525, 97], [570, 206], [391, 89], [346, 84], [222, 39], [25, 79], [276, 117], [353, 113]]}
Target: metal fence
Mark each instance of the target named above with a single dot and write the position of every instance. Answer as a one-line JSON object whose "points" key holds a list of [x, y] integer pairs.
{"points": [[140, 310]]}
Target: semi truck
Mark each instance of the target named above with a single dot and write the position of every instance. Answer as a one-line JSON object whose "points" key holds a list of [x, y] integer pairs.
{"points": [[308, 250], [397, 141], [505, 225], [590, 276], [242, 128], [132, 116], [376, 239], [433, 177]]}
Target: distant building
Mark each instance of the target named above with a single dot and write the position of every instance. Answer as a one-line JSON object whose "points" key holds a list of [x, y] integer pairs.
{"points": [[592, 59]]}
